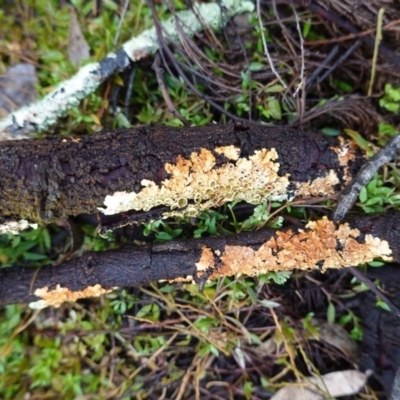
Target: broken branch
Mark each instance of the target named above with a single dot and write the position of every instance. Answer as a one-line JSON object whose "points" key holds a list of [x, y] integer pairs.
{"points": [[146, 173], [321, 244], [44, 113]]}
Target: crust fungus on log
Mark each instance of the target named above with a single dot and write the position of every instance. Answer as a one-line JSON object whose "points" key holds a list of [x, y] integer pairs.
{"points": [[155, 172], [321, 244]]}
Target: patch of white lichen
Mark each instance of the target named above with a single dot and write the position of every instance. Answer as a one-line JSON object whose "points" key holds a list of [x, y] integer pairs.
{"points": [[15, 227]]}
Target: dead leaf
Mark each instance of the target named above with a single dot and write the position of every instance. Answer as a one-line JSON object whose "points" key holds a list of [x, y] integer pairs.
{"points": [[296, 392], [341, 383], [334, 384], [78, 49], [17, 87], [338, 337]]}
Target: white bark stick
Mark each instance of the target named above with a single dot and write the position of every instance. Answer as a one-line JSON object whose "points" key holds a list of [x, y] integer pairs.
{"points": [[44, 113]]}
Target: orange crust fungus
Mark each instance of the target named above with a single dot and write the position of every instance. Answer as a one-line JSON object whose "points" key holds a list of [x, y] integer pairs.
{"points": [[321, 244], [60, 295]]}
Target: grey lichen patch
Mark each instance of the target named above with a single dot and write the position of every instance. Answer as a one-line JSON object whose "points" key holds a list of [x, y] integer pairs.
{"points": [[45, 112], [197, 184], [316, 246], [201, 15], [60, 295]]}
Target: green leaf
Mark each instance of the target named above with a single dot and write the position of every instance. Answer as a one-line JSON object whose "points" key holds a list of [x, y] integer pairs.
{"points": [[363, 195], [380, 303], [149, 311], [331, 313], [330, 131], [248, 390], [34, 256], [356, 333], [371, 187], [167, 288], [46, 239], [360, 142], [164, 236], [256, 66], [306, 29], [274, 108], [376, 264], [374, 200], [275, 89]]}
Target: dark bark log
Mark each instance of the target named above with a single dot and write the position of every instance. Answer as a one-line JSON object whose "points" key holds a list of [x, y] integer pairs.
{"points": [[53, 178], [321, 245]]}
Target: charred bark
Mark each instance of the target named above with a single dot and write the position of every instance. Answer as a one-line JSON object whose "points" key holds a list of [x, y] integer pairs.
{"points": [[321, 244], [53, 178]]}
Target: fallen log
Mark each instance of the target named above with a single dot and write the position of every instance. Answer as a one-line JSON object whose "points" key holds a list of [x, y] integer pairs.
{"points": [[321, 244], [156, 172]]}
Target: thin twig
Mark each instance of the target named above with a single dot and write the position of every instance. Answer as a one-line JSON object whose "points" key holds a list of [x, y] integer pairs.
{"points": [[302, 83], [121, 20], [378, 39], [129, 91], [266, 52], [332, 67], [371, 286], [160, 79], [165, 50], [324, 65]]}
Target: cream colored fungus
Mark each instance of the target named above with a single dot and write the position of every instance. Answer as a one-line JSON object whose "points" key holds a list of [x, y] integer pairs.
{"points": [[196, 184], [197, 180], [61, 294]]}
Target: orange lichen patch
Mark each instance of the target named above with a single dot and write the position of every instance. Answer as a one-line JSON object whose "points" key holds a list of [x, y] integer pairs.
{"points": [[203, 161], [319, 187], [306, 249], [196, 184], [325, 186], [206, 260], [230, 152], [346, 152], [60, 295]]}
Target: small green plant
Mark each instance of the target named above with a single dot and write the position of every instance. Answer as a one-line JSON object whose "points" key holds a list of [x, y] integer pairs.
{"points": [[350, 318], [391, 99], [208, 222], [278, 277], [162, 230], [29, 247], [375, 196], [121, 301], [261, 216]]}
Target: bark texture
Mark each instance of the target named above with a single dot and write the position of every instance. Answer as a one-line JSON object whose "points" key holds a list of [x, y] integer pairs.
{"points": [[52, 178], [381, 329], [360, 240]]}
